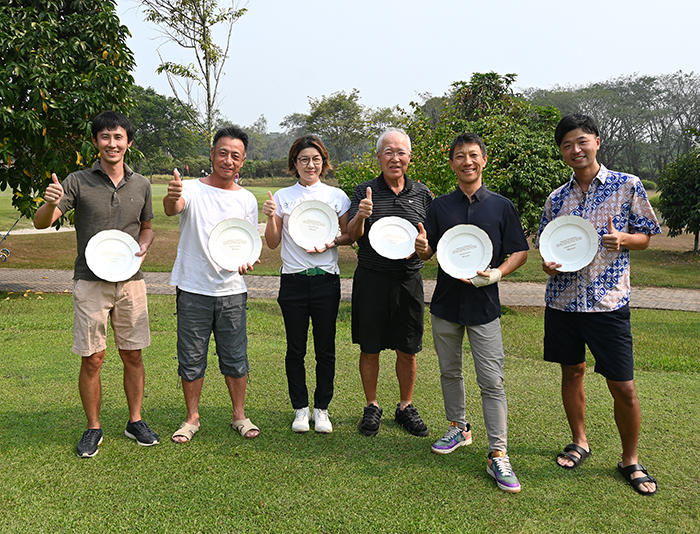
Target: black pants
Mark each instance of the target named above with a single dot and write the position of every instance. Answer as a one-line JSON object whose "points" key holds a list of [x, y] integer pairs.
{"points": [[317, 298]]}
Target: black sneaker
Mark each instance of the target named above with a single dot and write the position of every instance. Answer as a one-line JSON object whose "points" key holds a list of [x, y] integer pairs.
{"points": [[411, 421], [87, 448], [142, 433], [369, 425]]}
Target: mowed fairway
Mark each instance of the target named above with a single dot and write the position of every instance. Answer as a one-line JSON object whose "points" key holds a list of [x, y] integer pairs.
{"points": [[342, 482]]}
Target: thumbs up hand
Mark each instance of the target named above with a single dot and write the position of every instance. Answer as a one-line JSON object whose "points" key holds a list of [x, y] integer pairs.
{"points": [[174, 188], [613, 239], [270, 206], [422, 246], [54, 192], [365, 208]]}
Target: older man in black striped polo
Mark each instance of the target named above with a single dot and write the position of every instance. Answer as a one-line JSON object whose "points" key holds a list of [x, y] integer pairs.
{"points": [[387, 294]]}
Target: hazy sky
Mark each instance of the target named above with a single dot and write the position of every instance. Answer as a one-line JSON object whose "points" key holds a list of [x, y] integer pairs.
{"points": [[284, 51]]}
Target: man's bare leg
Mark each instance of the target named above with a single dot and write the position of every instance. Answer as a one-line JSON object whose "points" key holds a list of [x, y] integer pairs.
{"points": [[628, 417], [192, 391], [90, 387], [574, 400], [236, 388], [134, 382], [369, 373], [406, 370]]}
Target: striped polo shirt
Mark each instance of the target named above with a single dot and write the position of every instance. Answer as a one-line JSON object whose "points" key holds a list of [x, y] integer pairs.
{"points": [[412, 204]]}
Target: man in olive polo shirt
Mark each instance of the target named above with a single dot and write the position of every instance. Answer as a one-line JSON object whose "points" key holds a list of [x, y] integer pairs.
{"points": [[109, 196]]}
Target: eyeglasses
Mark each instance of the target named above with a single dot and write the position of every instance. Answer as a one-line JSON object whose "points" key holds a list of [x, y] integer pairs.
{"points": [[388, 154], [305, 160]]}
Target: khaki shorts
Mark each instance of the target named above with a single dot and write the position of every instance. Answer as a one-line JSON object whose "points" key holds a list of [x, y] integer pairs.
{"points": [[122, 303]]}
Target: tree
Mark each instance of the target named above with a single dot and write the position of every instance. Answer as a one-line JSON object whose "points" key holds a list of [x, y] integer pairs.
{"points": [[190, 24], [60, 67], [337, 119], [644, 120], [524, 164], [680, 195], [161, 126]]}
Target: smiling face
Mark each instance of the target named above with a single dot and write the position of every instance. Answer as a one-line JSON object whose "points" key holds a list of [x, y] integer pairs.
{"points": [[227, 157], [112, 145], [579, 150], [468, 163], [394, 156], [308, 164]]}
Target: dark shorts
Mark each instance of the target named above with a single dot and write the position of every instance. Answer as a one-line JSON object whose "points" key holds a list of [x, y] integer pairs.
{"points": [[607, 334], [387, 310], [200, 315]]}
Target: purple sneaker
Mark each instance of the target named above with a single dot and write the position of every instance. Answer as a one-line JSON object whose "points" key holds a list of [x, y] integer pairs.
{"points": [[499, 468], [454, 437]]}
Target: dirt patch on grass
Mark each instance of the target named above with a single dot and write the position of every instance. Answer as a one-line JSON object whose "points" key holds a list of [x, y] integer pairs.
{"points": [[683, 242]]}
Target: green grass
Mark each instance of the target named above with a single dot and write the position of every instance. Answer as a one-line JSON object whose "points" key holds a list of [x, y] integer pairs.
{"points": [[342, 482], [665, 264]]}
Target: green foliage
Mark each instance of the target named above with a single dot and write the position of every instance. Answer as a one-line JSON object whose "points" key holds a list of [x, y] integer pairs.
{"points": [[192, 25], [264, 169], [344, 125], [61, 63], [161, 126], [524, 164], [363, 168], [645, 121], [649, 185], [680, 195]]}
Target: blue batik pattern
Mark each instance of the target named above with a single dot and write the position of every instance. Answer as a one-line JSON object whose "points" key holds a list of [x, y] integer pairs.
{"points": [[604, 284]]}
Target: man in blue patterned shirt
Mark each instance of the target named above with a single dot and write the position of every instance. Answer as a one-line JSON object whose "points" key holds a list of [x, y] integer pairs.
{"points": [[590, 306]]}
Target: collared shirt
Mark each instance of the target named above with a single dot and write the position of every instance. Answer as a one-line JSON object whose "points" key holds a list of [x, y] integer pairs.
{"points": [[100, 205], [604, 284], [412, 204], [294, 258], [453, 300]]}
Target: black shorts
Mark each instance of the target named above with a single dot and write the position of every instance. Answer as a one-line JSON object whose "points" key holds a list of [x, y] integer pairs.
{"points": [[387, 310], [607, 334]]}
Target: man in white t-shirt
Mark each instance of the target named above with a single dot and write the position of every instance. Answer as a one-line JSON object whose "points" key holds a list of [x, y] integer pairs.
{"points": [[209, 298]]}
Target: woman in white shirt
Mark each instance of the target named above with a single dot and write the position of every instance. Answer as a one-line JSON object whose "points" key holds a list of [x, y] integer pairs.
{"points": [[310, 280]]}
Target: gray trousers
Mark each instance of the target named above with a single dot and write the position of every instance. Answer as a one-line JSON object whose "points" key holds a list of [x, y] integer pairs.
{"points": [[487, 349]]}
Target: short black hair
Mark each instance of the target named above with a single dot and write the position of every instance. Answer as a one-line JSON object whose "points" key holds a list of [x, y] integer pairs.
{"points": [[573, 122], [467, 138], [234, 132], [111, 120]]}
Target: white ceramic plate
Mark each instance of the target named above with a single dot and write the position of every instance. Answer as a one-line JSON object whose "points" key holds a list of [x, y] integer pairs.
{"points": [[110, 254], [313, 224], [393, 237], [569, 240], [234, 242], [463, 250]]}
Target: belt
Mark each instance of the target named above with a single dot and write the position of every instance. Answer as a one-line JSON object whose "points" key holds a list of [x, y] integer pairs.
{"points": [[316, 271]]}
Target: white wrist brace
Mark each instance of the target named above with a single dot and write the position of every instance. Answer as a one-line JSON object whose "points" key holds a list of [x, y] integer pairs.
{"points": [[494, 275]]}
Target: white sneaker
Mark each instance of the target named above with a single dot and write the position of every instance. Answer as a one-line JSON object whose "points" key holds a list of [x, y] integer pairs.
{"points": [[322, 423], [301, 420]]}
